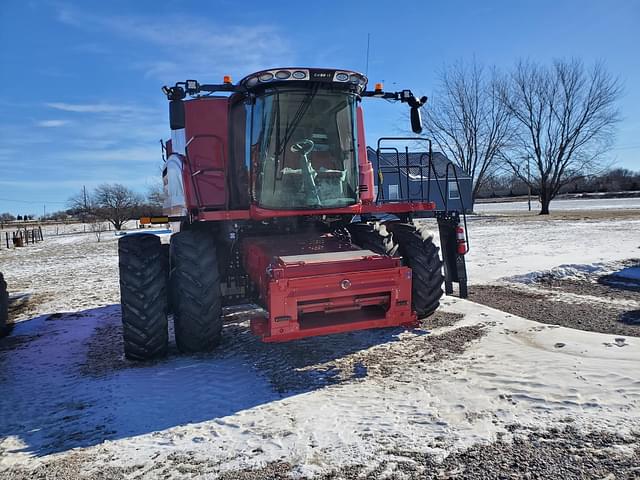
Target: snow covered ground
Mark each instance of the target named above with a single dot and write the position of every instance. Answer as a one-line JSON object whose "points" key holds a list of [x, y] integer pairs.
{"points": [[503, 248], [64, 273], [375, 402], [562, 205]]}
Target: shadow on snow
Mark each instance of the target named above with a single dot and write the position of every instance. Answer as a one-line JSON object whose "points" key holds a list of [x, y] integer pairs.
{"points": [[65, 382]]}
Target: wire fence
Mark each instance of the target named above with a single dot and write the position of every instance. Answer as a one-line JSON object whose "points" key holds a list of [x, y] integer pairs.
{"points": [[18, 233], [21, 237]]}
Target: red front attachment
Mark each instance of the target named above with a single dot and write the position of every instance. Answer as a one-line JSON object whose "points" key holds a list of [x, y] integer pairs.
{"points": [[318, 285]]}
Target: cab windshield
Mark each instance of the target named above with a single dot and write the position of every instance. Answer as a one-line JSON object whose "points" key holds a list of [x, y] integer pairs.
{"points": [[303, 149]]}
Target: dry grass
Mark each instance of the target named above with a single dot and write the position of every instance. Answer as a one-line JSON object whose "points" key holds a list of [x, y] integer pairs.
{"points": [[575, 215]]}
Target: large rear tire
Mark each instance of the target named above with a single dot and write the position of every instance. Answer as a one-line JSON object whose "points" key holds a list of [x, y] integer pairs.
{"points": [[415, 244], [373, 236], [166, 260], [143, 294], [4, 306], [195, 291]]}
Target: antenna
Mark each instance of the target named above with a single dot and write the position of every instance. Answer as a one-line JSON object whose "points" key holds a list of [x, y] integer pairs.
{"points": [[366, 72]]}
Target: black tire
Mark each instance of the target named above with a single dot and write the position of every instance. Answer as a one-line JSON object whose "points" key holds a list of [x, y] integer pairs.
{"points": [[373, 236], [164, 247], [195, 291], [143, 296], [416, 246], [166, 257], [4, 306]]}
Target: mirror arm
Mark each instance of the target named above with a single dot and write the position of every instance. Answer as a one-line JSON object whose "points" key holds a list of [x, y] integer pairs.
{"points": [[192, 88], [404, 96]]}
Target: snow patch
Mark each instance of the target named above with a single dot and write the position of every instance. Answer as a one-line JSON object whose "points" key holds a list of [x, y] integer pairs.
{"points": [[426, 234], [580, 272], [381, 229], [612, 273]]}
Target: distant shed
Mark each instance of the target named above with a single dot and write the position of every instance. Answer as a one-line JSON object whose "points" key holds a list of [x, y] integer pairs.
{"points": [[394, 183]]}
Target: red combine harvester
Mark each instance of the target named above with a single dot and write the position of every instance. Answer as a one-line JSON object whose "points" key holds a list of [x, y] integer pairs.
{"points": [[275, 202]]}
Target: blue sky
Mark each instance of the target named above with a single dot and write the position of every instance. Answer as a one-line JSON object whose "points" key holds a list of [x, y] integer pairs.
{"points": [[81, 80]]}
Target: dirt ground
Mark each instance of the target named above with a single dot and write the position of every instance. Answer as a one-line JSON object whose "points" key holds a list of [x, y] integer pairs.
{"points": [[562, 452], [596, 303], [299, 365]]}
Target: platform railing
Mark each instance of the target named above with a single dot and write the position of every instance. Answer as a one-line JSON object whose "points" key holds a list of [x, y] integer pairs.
{"points": [[402, 165]]}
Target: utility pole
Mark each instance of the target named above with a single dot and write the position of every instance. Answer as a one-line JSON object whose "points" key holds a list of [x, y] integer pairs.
{"points": [[529, 180], [84, 194]]}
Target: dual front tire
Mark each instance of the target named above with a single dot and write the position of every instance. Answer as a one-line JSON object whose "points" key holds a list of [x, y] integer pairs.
{"points": [[195, 291], [148, 271], [414, 243], [416, 246]]}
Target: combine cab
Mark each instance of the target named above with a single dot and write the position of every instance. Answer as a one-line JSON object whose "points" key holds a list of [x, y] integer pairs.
{"points": [[274, 201]]}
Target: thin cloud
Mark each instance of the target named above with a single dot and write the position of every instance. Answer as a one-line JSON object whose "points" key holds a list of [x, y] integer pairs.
{"points": [[103, 125], [92, 49], [52, 123], [131, 155], [86, 107], [205, 48]]}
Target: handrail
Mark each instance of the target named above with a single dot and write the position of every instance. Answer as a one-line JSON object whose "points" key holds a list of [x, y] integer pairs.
{"points": [[432, 174], [464, 215], [192, 174]]}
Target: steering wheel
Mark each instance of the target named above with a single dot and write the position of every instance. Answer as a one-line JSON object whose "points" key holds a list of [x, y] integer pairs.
{"points": [[303, 146]]}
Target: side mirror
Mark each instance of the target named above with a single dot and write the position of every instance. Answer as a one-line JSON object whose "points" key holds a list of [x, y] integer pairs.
{"points": [[416, 120], [176, 114]]}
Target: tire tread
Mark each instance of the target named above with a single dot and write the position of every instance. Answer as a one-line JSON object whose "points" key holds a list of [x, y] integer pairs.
{"points": [[195, 285], [415, 244], [143, 297]]}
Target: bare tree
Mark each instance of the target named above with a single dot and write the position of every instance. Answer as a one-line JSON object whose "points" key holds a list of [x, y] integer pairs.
{"points": [[155, 196], [466, 119], [154, 200], [565, 116], [97, 227], [115, 203]]}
